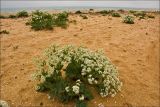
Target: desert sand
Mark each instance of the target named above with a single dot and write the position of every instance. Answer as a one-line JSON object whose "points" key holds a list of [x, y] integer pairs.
{"points": [[133, 48]]}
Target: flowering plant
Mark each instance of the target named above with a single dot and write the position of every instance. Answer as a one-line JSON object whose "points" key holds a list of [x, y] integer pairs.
{"points": [[69, 72], [128, 20], [43, 20]]}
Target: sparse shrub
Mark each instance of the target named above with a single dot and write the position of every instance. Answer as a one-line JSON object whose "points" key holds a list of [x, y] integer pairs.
{"points": [[78, 12], [140, 13], [116, 15], [28, 23], [73, 21], [141, 17], [22, 14], [128, 19], [105, 12], [132, 11], [61, 19], [4, 32], [91, 9], [2, 17], [12, 16], [41, 20], [67, 73], [150, 16], [84, 16], [121, 10]]}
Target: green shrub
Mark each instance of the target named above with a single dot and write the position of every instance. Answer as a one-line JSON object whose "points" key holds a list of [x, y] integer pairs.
{"points": [[141, 17], [4, 32], [12, 16], [105, 12], [132, 11], [140, 13], [128, 19], [116, 15], [61, 19], [78, 12], [2, 17], [84, 16], [41, 20], [22, 14], [67, 73], [150, 16], [121, 10]]}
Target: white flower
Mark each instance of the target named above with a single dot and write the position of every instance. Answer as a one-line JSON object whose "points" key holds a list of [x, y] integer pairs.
{"points": [[79, 81], [90, 81], [88, 69], [90, 75], [67, 89], [75, 89], [81, 97], [95, 81], [83, 73]]}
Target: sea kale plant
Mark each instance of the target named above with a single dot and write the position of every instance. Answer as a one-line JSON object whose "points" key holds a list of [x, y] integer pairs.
{"points": [[43, 20], [128, 20], [68, 73]]}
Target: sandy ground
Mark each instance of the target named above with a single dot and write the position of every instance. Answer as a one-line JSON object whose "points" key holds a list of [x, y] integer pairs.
{"points": [[134, 49]]}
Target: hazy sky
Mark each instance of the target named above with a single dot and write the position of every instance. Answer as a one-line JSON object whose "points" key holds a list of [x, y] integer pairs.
{"points": [[120, 3]]}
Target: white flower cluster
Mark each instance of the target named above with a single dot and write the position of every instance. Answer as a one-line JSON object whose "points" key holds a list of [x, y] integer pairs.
{"points": [[81, 97], [75, 88], [96, 68], [92, 80]]}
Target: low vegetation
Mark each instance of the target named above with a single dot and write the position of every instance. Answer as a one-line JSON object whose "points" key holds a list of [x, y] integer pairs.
{"points": [[106, 11], [61, 19], [150, 16], [2, 17], [132, 11], [128, 20], [116, 14], [139, 13], [4, 32], [68, 73], [84, 16], [43, 20], [12, 16], [22, 14], [121, 10], [78, 12], [73, 21]]}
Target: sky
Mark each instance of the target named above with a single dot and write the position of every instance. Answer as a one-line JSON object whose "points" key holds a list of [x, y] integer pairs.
{"points": [[115, 3]]}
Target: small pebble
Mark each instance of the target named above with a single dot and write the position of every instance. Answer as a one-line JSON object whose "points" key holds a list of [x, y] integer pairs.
{"points": [[15, 77], [41, 104]]}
